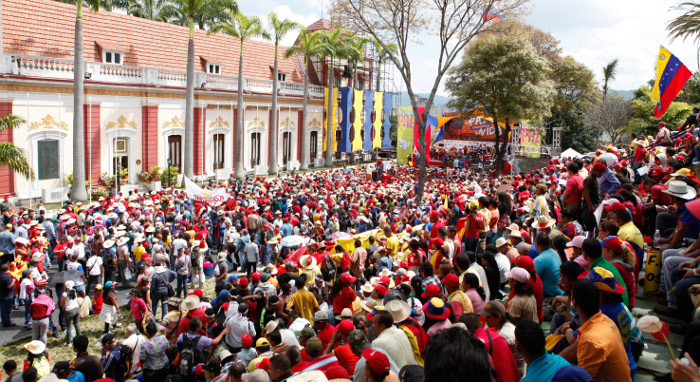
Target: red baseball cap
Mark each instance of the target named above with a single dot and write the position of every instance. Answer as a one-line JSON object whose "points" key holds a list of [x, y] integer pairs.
{"points": [[347, 278], [617, 206], [432, 290], [255, 276], [246, 340], [377, 361], [198, 293], [381, 289], [526, 263], [451, 280], [243, 282], [345, 326]]}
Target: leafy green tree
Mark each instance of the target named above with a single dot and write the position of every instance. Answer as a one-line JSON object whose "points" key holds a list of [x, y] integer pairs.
{"points": [[507, 78], [645, 122], [382, 57], [202, 13], [576, 92], [12, 156], [308, 47], [691, 91], [241, 27]]}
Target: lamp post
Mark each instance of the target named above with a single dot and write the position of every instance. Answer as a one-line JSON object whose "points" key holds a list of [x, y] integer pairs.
{"points": [[169, 162]]}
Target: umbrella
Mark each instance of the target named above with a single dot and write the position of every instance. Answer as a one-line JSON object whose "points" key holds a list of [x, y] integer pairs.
{"points": [[291, 241], [340, 235], [62, 277], [297, 254]]}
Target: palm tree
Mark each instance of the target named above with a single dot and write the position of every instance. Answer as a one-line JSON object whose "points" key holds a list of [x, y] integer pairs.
{"points": [[687, 24], [609, 73], [193, 9], [79, 193], [107, 5], [383, 56], [155, 10], [242, 27], [280, 28], [331, 45], [308, 46], [12, 156], [206, 12], [355, 53]]}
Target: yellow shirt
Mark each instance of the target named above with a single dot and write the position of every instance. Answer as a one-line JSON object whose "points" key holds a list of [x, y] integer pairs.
{"points": [[459, 297], [310, 275], [600, 350], [392, 245], [631, 233], [138, 252], [304, 303], [487, 219]]}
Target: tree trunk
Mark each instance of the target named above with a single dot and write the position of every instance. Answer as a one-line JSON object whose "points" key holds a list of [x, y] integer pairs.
{"points": [[304, 165], [239, 172], [188, 162], [78, 192], [331, 114], [272, 168]]}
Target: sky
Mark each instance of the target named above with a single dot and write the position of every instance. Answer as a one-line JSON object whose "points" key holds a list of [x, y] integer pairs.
{"points": [[594, 32]]}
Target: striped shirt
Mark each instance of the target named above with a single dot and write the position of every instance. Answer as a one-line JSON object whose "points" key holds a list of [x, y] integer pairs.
{"points": [[169, 326]]}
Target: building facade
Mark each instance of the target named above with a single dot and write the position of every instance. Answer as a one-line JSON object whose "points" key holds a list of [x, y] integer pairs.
{"points": [[134, 109]]}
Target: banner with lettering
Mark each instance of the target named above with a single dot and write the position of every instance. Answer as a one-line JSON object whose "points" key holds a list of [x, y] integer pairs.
{"points": [[531, 137], [195, 192], [404, 134]]}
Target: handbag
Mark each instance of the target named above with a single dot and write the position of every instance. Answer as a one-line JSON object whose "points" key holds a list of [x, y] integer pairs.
{"points": [[171, 290]]}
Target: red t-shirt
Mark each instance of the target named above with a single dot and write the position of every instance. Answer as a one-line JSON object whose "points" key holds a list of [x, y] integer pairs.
{"points": [[326, 334], [185, 321], [346, 358], [436, 226], [473, 229], [503, 361], [343, 300], [639, 153], [575, 185]]}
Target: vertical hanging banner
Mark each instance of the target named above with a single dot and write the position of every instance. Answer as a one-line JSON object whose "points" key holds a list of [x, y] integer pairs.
{"points": [[369, 104], [531, 137], [334, 121], [356, 126], [386, 126], [375, 130], [404, 134], [426, 136], [195, 192]]}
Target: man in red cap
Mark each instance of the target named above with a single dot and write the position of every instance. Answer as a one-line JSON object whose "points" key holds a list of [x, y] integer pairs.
{"points": [[346, 358], [346, 296], [378, 367], [458, 300]]}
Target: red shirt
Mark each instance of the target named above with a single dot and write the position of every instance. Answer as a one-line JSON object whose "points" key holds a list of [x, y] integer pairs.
{"points": [[346, 358], [660, 197], [639, 153], [436, 226], [575, 184], [343, 300], [325, 335], [185, 321], [503, 361], [473, 229]]}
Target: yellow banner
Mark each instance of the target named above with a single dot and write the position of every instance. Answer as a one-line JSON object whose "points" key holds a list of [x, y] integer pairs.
{"points": [[357, 125], [378, 121], [334, 121]]}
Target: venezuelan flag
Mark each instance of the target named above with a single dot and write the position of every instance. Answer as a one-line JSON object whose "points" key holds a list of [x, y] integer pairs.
{"points": [[671, 75]]}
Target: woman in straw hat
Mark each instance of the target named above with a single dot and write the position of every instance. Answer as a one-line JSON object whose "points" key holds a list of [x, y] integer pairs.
{"points": [[37, 357]]}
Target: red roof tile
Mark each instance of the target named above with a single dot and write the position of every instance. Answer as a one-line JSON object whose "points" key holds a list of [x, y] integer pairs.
{"points": [[46, 28]]}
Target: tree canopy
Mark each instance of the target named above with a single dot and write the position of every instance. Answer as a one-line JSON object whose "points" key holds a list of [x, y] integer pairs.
{"points": [[644, 120], [506, 77]]}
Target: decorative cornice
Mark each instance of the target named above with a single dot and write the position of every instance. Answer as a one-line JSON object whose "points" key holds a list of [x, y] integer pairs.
{"points": [[315, 123], [219, 122], [48, 123], [175, 122], [256, 122], [287, 123], [122, 123]]}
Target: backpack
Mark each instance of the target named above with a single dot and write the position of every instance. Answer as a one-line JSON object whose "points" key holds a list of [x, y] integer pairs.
{"points": [[328, 268], [190, 356], [38, 311], [126, 355], [42, 366]]}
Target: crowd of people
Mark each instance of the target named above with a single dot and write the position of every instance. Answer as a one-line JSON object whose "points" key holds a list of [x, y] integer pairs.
{"points": [[333, 275]]}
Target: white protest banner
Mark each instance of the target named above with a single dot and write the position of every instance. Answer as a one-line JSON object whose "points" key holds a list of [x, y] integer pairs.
{"points": [[195, 192]]}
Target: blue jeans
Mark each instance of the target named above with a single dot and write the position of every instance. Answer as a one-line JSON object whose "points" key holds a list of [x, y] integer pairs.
{"points": [[156, 299], [5, 309], [181, 284], [27, 316]]}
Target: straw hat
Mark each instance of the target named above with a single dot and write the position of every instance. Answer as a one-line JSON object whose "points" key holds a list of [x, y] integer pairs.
{"points": [[35, 347], [501, 242], [371, 304], [367, 288], [399, 309], [681, 190], [108, 244], [190, 302], [307, 262], [122, 240], [543, 222]]}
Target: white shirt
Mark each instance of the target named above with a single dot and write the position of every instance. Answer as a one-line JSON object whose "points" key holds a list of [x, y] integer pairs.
{"points": [[134, 342], [179, 243], [79, 249], [395, 342], [94, 265], [503, 266]]}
